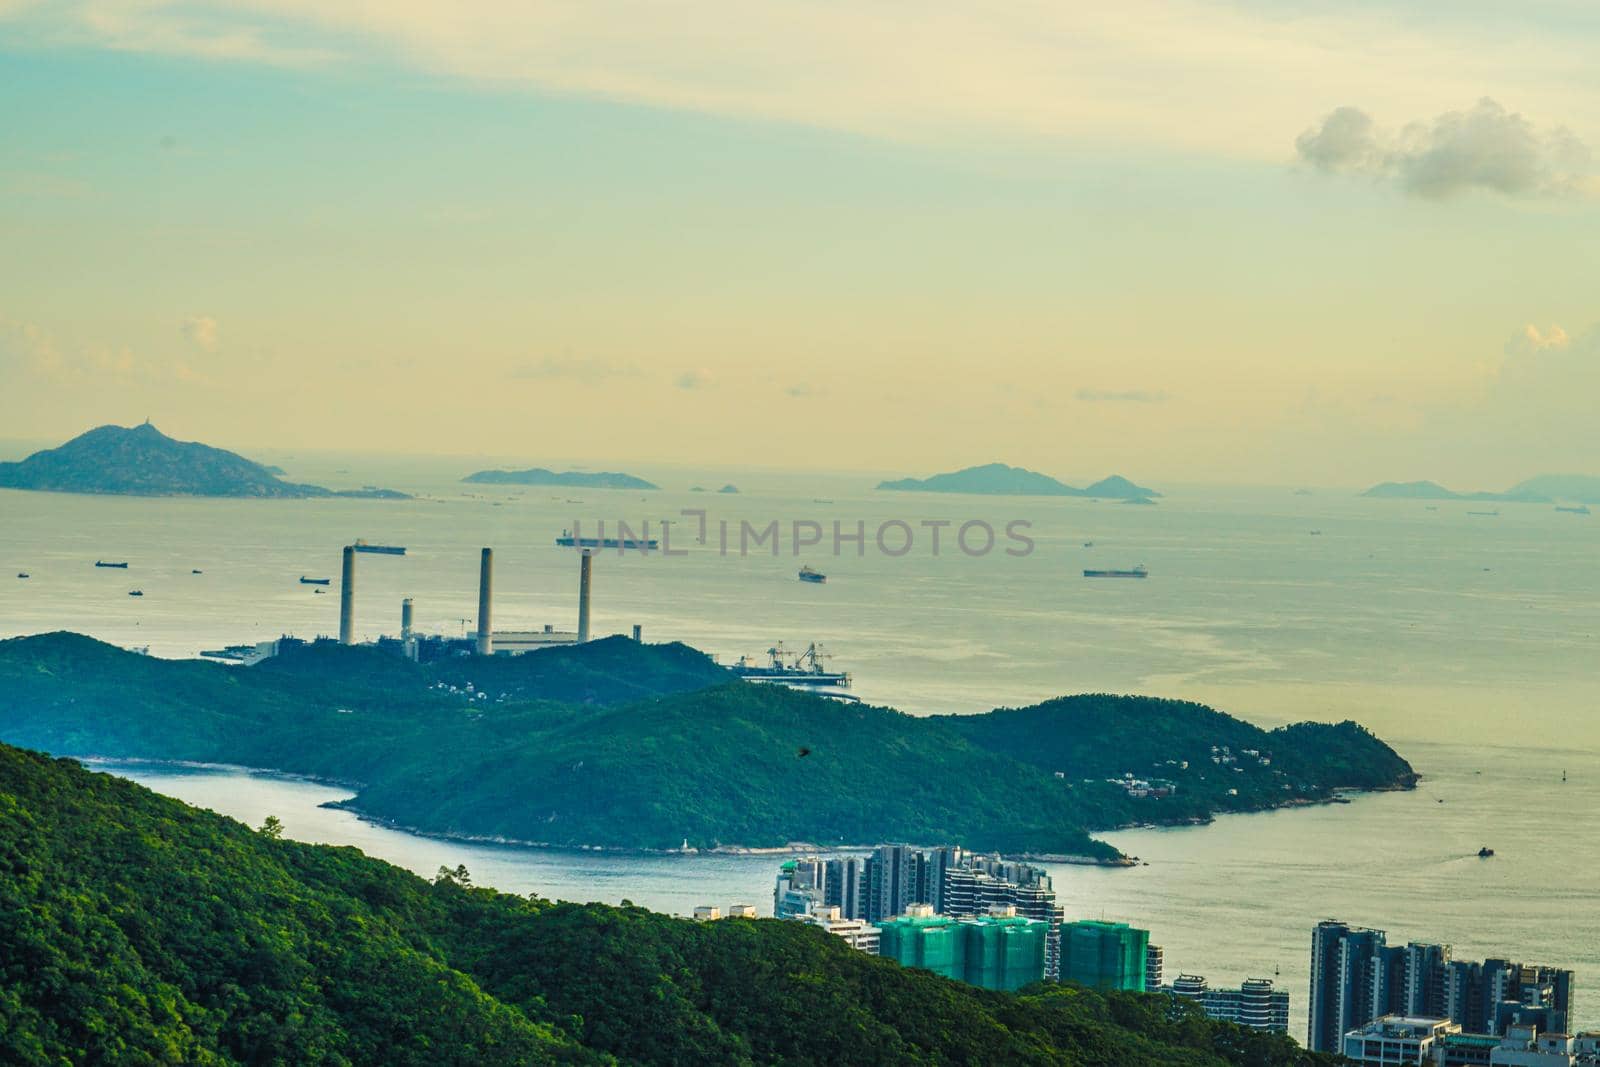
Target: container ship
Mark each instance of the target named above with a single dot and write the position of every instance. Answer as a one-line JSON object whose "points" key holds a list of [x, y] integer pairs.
{"points": [[805, 672], [1135, 572], [314, 581], [103, 563], [647, 544], [361, 545]]}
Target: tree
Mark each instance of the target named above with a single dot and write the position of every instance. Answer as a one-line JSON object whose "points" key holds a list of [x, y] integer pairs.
{"points": [[459, 876], [272, 827]]}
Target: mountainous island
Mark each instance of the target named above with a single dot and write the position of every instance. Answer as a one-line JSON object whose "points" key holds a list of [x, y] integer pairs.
{"points": [[998, 479], [1543, 489], [570, 479], [136, 929], [143, 461], [622, 745]]}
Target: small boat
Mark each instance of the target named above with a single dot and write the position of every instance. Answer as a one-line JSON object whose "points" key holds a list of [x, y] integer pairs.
{"points": [[1088, 544], [197, 570], [103, 563], [1485, 514], [1316, 533], [308, 581], [1485, 852], [811, 574], [22, 574], [1135, 572], [319, 592], [136, 592]]}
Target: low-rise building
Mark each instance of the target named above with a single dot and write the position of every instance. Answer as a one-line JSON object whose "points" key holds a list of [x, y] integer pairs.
{"points": [[1255, 1003], [1398, 1041], [857, 933]]}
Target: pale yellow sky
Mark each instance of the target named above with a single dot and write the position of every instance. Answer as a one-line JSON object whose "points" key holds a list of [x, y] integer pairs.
{"points": [[1303, 242]]}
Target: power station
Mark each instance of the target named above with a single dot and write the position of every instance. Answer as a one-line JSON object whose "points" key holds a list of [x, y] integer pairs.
{"points": [[485, 640]]}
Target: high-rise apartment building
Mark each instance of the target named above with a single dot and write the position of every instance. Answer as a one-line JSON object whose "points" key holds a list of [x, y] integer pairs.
{"points": [[1104, 955], [997, 951], [1356, 977]]}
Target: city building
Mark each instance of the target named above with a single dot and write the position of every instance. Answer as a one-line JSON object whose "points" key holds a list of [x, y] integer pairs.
{"points": [[1397, 1041], [857, 933], [952, 881], [1255, 1003], [706, 913], [1357, 977], [1155, 962], [1002, 950], [1104, 955], [741, 911]]}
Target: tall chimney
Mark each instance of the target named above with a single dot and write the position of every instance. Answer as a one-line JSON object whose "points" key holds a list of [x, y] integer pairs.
{"points": [[584, 564], [485, 602], [638, 632], [347, 598], [405, 619]]}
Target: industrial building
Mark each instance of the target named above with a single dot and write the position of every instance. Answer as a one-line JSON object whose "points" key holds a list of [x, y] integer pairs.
{"points": [[485, 641]]}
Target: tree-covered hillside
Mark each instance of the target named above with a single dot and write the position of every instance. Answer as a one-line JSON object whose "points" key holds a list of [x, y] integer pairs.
{"points": [[136, 930], [644, 746]]}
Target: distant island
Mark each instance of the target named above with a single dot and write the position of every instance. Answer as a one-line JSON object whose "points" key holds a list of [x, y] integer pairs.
{"points": [[616, 744], [143, 461], [571, 479], [1001, 480], [1543, 489], [729, 488]]}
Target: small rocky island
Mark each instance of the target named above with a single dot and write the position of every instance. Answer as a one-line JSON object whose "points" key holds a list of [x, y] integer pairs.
{"points": [[143, 461], [998, 479], [570, 479], [1542, 489]]}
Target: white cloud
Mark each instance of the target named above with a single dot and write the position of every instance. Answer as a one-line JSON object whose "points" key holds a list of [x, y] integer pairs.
{"points": [[1532, 339], [1193, 74], [1485, 147], [201, 330]]}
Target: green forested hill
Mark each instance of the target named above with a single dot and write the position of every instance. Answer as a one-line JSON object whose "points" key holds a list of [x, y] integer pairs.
{"points": [[136, 930], [644, 746]]}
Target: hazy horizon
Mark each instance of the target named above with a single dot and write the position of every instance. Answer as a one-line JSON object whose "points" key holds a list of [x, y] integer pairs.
{"points": [[1244, 243]]}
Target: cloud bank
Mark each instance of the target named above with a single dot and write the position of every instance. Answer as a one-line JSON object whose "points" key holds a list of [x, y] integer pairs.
{"points": [[1485, 148], [1202, 75]]}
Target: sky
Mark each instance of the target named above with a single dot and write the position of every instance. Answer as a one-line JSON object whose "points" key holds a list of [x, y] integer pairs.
{"points": [[1290, 242]]}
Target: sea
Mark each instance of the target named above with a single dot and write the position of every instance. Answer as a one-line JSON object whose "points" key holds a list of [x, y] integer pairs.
{"points": [[1465, 634]]}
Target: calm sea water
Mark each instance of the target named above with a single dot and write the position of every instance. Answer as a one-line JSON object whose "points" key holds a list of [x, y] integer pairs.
{"points": [[1467, 641]]}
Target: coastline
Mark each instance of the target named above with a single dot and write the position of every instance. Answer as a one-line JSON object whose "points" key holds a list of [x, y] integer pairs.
{"points": [[107, 765]]}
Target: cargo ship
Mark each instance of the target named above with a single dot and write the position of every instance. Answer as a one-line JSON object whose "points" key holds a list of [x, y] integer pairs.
{"points": [[644, 544], [314, 581], [361, 545], [811, 574], [1135, 572], [805, 672], [103, 563], [1581, 509]]}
